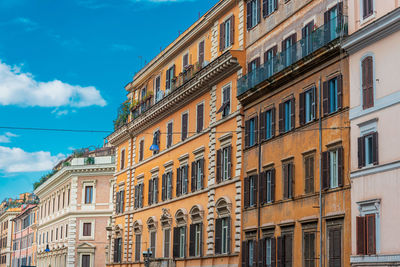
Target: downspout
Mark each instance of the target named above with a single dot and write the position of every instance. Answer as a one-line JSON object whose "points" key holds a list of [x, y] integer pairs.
{"points": [[258, 187], [320, 172]]}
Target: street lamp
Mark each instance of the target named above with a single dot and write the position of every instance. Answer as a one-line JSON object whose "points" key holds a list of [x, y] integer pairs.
{"points": [[147, 255]]}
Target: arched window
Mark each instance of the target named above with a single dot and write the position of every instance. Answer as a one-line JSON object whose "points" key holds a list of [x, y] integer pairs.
{"points": [[196, 231], [367, 74], [180, 240], [222, 243]]}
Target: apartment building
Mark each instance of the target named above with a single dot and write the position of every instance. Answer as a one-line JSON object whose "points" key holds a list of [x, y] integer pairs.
{"points": [[178, 177], [373, 49], [74, 210], [24, 237], [295, 96]]}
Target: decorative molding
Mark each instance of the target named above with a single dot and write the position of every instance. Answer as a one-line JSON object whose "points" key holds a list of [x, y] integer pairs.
{"points": [[370, 170]]}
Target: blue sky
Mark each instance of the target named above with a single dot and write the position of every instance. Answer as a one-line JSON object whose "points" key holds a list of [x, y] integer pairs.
{"points": [[64, 64]]}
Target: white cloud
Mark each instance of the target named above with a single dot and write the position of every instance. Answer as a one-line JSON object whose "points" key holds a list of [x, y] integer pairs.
{"points": [[18, 88], [15, 159], [29, 24], [6, 137]]}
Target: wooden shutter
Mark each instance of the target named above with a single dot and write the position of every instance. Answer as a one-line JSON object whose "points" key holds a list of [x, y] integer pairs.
{"points": [[122, 159], [222, 36], [193, 181], [201, 52], [246, 133], [249, 15], [261, 252], [255, 253], [288, 250], [218, 235], [246, 187], [291, 180], [370, 75], [255, 129], [202, 173], [314, 103], [200, 117], [360, 235], [186, 178], [184, 126], [292, 113], [122, 200], [155, 200], [375, 149], [258, 11], [272, 185], [245, 252], [192, 234], [201, 239], [176, 242], [178, 182], [281, 115], [232, 29], [141, 195], [228, 235], [340, 166], [255, 189], [340, 91], [361, 151], [365, 79], [173, 70], [136, 197], [285, 180], [371, 235], [167, 79], [141, 148], [185, 60], [327, 28], [150, 197], [229, 148], [302, 115], [325, 99], [280, 252], [219, 165], [117, 209], [325, 170], [265, 8], [263, 186], [163, 187], [273, 122], [262, 126], [273, 252], [169, 181]]}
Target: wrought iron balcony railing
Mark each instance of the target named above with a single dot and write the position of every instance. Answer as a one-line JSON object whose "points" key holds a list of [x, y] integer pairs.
{"points": [[321, 36]]}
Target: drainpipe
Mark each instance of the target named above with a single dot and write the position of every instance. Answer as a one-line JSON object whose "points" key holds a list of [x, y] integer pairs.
{"points": [[258, 187], [320, 172]]}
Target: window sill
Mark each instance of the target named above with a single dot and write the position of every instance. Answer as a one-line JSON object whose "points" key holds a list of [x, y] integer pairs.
{"points": [[268, 15], [368, 19]]}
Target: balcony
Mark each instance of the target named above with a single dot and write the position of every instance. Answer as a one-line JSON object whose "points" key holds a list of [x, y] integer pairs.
{"points": [[306, 48]]}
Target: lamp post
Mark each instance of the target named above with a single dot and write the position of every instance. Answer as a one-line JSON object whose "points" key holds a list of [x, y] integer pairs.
{"points": [[147, 255]]}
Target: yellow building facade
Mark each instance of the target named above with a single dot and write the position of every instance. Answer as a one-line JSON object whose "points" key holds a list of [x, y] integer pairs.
{"points": [[183, 201]]}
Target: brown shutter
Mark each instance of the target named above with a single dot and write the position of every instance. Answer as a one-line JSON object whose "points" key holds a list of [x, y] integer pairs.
{"points": [[262, 126], [169, 141], [200, 117], [293, 112], [273, 252], [375, 149], [202, 173], [245, 252], [184, 126], [314, 103], [273, 122], [246, 187], [365, 78], [150, 199], [360, 232], [291, 179], [255, 189], [218, 235], [232, 29], [117, 209], [371, 235], [219, 165], [255, 129], [340, 91], [325, 170], [258, 11], [163, 187], [178, 182], [288, 250], [361, 152], [193, 181], [192, 233], [249, 15], [156, 190], [261, 252], [176, 242], [370, 76], [281, 115], [325, 99], [229, 162], [340, 166], [285, 172], [201, 52], [246, 133], [222, 36], [280, 252], [302, 116], [273, 185], [167, 79]]}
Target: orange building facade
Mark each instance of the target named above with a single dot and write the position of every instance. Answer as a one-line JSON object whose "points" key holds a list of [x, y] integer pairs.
{"points": [[295, 97], [183, 201]]}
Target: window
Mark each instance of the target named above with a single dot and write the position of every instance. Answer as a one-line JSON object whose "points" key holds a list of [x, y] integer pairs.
{"points": [[167, 237], [169, 134], [179, 242], [169, 76], [224, 163], [287, 116], [200, 117], [368, 8], [184, 134], [182, 180], [226, 33], [366, 234], [197, 175], [269, 6], [367, 82], [185, 60], [251, 132], [285, 249], [332, 22], [222, 235], [226, 101], [309, 174], [157, 89], [288, 180], [166, 192], [61, 233], [253, 65], [196, 240], [119, 207], [156, 139], [250, 191], [332, 95], [368, 150], [253, 13], [307, 39], [269, 60], [143, 105], [307, 108], [138, 242], [87, 229], [122, 165], [66, 230], [267, 124], [267, 190], [56, 233], [88, 194], [201, 53], [153, 243], [153, 191], [309, 249], [138, 196], [85, 260], [332, 168], [289, 50], [141, 149], [335, 246]]}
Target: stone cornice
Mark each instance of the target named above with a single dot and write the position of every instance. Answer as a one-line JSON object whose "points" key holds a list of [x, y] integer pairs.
{"points": [[217, 70]]}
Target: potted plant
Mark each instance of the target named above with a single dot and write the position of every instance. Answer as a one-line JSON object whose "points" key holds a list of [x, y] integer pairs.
{"points": [[134, 105]]}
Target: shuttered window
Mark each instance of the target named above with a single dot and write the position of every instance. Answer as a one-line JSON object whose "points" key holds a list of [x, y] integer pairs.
{"points": [[332, 168], [119, 204], [182, 180], [251, 132], [307, 39], [166, 191], [141, 150], [169, 76], [287, 116], [195, 240], [197, 175], [368, 150], [222, 235], [335, 247], [117, 250], [332, 95], [288, 180], [366, 234], [285, 250], [266, 253], [169, 134], [153, 243], [201, 53], [87, 229], [226, 101], [267, 124], [308, 106], [289, 50], [309, 249], [227, 29], [267, 186], [184, 134], [250, 191], [269, 63], [88, 195], [309, 174], [138, 242], [368, 8], [269, 6], [185, 60], [200, 117], [224, 164], [153, 191], [167, 242], [138, 196], [367, 82], [253, 13], [122, 165], [179, 248]]}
